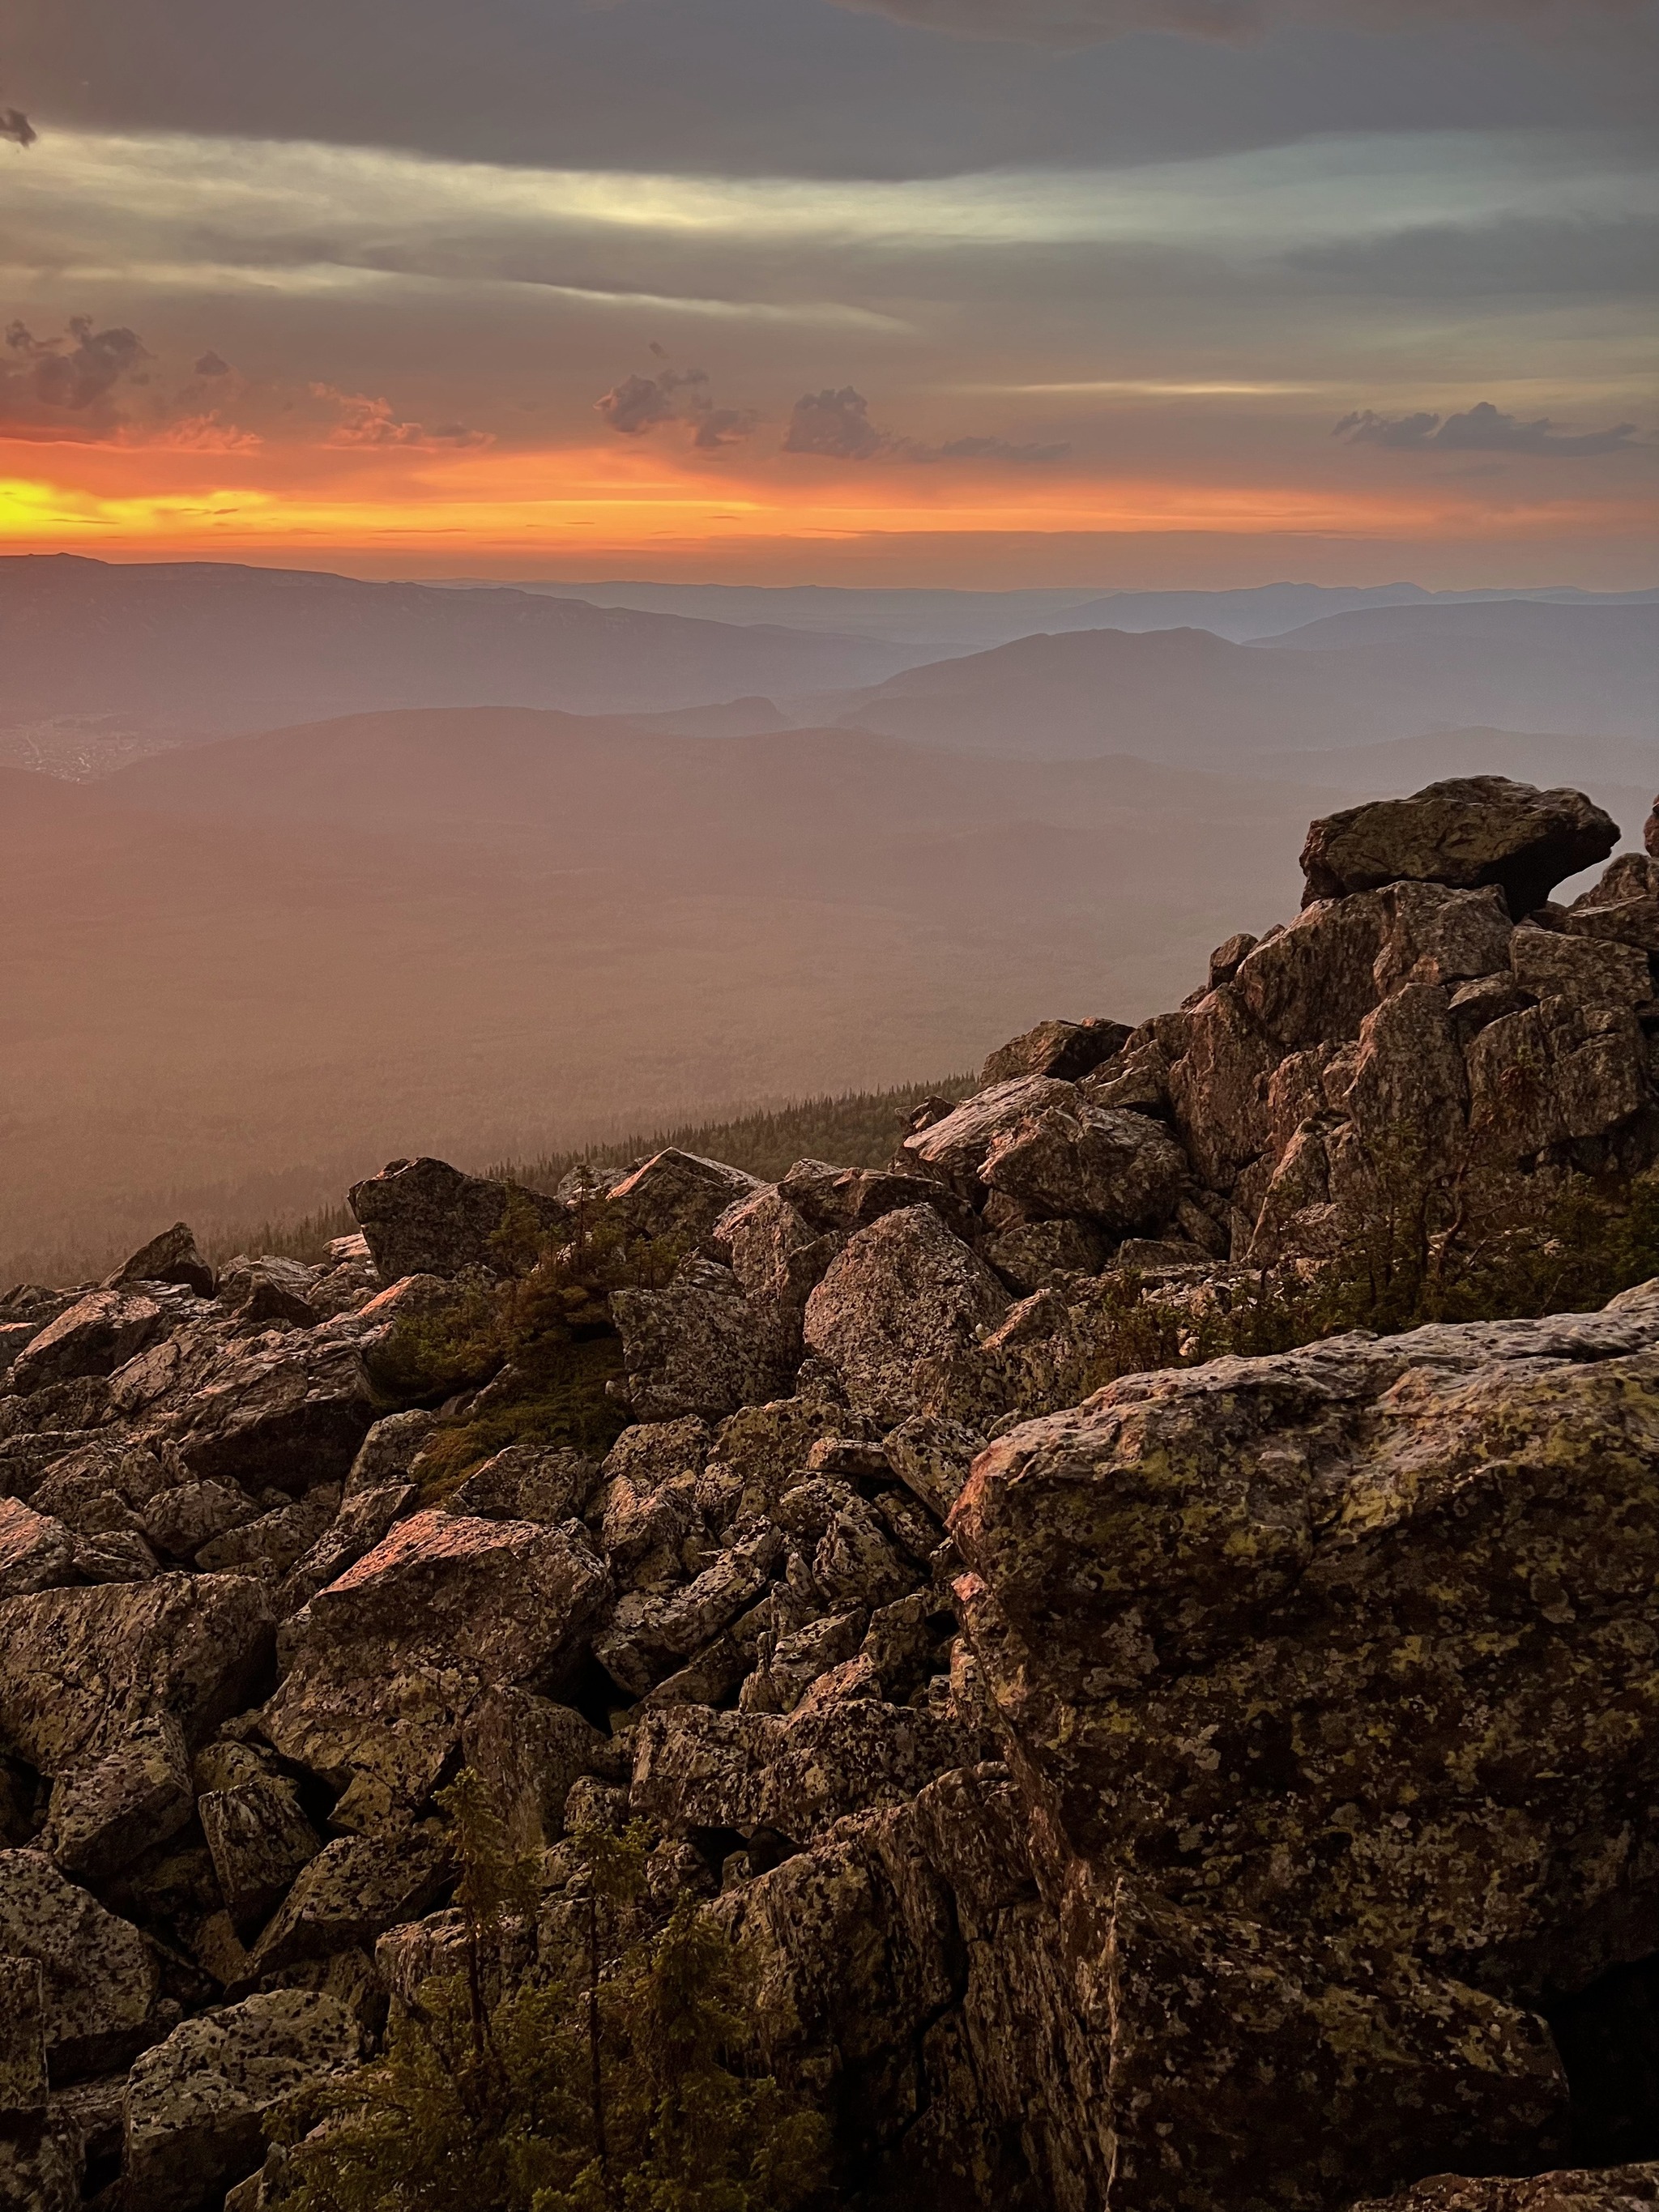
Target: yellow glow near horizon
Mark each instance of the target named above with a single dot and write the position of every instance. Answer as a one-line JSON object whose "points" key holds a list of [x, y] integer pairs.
{"points": [[149, 500]]}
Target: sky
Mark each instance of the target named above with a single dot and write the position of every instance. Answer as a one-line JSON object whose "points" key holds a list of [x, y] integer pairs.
{"points": [[975, 292]]}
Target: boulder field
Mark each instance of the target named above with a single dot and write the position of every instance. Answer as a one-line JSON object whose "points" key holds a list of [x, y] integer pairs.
{"points": [[1227, 1787]]}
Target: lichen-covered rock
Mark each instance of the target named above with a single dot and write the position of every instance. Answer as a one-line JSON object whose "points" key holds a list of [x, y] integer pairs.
{"points": [[952, 1149], [79, 1667], [772, 1251], [288, 1415], [22, 2041], [1553, 1074], [100, 1977], [1609, 2189], [347, 1893], [904, 1290], [424, 1217], [527, 1482], [270, 1293], [843, 1200], [36, 1551], [648, 1634], [1390, 1591], [259, 1838], [1466, 831], [99, 1333], [273, 1542], [362, 1520], [1065, 1050], [527, 1751], [389, 1451], [1117, 1168], [40, 2171], [194, 2104], [677, 1195], [103, 1816], [387, 1660], [698, 1347], [1033, 1253]]}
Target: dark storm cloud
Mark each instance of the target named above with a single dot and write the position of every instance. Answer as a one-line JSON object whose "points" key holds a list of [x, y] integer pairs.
{"points": [[211, 365], [640, 405], [836, 426], [76, 371], [16, 126], [1483, 430]]}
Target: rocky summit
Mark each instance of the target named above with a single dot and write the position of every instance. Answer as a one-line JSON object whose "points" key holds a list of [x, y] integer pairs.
{"points": [[1137, 1619]]}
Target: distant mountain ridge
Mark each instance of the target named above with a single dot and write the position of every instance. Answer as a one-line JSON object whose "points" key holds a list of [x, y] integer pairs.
{"points": [[1187, 696], [216, 647], [968, 619]]}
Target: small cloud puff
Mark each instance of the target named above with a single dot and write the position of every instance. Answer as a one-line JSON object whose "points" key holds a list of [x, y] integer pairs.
{"points": [[363, 420], [16, 126], [640, 405], [1484, 429], [836, 426]]}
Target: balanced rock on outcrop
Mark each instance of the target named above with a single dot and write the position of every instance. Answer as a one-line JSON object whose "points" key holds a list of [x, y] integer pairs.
{"points": [[1467, 831]]}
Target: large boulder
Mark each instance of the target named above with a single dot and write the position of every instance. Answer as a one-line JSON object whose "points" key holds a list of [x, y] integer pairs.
{"points": [[1389, 1591], [260, 1840], [289, 1413], [699, 1346], [195, 2103], [951, 1150], [37, 1551], [1466, 831], [677, 1195], [97, 1334], [1117, 1168], [350, 1892], [172, 1257], [81, 1668], [1065, 1050], [1609, 2188], [829, 1198], [424, 1217], [996, 2025], [904, 1290], [385, 1662], [103, 1816]]}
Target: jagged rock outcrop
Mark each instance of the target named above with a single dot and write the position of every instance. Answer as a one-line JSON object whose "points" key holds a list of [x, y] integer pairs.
{"points": [[1228, 1787]]}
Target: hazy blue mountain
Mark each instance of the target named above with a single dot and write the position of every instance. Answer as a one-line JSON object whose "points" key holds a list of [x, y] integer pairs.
{"points": [[951, 620], [1185, 695], [212, 646]]}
